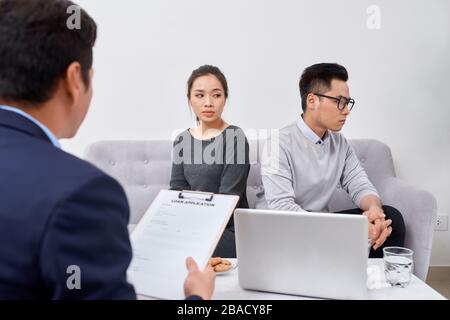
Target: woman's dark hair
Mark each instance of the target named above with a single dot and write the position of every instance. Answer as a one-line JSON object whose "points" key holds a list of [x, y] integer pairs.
{"points": [[204, 71], [317, 78], [37, 46]]}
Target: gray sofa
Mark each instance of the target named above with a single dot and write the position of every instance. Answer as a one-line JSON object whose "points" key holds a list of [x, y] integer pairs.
{"points": [[143, 168]]}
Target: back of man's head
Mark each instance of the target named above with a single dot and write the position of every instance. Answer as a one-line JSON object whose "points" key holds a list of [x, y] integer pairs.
{"points": [[317, 78], [37, 45]]}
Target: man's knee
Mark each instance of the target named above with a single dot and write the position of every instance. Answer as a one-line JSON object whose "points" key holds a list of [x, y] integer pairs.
{"points": [[392, 213], [398, 223]]}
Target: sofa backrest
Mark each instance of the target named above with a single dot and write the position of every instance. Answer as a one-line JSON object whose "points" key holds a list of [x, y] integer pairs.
{"points": [[144, 167]]}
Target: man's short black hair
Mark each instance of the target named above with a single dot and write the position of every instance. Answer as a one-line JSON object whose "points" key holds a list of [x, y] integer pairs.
{"points": [[317, 78], [37, 47]]}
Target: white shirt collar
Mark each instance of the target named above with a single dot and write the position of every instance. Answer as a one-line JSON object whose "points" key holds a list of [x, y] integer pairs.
{"points": [[309, 134]]}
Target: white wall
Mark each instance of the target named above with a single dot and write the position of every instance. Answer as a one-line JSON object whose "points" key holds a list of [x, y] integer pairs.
{"points": [[398, 74]]}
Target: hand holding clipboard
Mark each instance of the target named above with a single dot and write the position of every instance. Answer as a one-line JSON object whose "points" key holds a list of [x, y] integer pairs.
{"points": [[176, 225]]}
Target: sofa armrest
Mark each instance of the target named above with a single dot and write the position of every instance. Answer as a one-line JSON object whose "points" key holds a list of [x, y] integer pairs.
{"points": [[418, 208]]}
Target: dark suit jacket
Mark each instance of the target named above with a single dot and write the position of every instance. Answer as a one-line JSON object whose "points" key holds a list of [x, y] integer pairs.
{"points": [[57, 211]]}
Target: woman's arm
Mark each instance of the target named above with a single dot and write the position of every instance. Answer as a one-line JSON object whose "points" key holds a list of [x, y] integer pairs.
{"points": [[178, 180], [236, 165]]}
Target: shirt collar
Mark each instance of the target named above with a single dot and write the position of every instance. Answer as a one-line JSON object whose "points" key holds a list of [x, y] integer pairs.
{"points": [[46, 130], [309, 134]]}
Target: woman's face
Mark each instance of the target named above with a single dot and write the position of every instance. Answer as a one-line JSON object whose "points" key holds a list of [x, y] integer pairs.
{"points": [[207, 98]]}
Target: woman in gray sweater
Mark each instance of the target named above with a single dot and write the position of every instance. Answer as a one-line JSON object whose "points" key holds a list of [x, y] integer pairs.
{"points": [[214, 156]]}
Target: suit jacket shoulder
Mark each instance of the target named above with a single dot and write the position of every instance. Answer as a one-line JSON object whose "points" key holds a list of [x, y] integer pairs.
{"points": [[59, 217]]}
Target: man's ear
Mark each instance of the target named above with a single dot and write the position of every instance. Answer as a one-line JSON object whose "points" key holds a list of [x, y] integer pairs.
{"points": [[74, 82], [311, 101]]}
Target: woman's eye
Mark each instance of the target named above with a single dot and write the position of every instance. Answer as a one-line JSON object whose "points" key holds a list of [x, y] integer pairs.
{"points": [[217, 96], [199, 95]]}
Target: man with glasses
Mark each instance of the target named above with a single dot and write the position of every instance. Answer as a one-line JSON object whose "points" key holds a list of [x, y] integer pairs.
{"points": [[311, 158]]}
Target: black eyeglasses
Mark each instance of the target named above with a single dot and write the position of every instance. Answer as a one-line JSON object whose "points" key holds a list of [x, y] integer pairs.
{"points": [[342, 101]]}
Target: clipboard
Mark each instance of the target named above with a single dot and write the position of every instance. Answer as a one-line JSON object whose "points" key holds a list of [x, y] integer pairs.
{"points": [[207, 196], [177, 224]]}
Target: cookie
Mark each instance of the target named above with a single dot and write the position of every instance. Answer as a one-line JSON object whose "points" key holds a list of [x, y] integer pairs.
{"points": [[215, 261], [224, 261], [222, 267]]}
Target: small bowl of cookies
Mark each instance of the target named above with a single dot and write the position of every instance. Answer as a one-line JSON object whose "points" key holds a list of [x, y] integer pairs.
{"points": [[221, 265]]}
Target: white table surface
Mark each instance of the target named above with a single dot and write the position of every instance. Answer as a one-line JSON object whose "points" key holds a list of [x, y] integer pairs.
{"points": [[227, 288]]}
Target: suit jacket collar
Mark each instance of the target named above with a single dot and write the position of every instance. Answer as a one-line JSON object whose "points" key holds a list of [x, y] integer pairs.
{"points": [[17, 122]]}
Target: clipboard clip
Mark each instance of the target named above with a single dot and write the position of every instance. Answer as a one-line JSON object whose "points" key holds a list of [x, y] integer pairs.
{"points": [[189, 194]]}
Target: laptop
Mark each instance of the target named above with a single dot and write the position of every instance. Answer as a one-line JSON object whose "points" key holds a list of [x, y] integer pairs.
{"points": [[321, 255]]}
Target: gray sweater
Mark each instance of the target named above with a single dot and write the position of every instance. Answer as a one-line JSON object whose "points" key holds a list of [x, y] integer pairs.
{"points": [[218, 165], [301, 174]]}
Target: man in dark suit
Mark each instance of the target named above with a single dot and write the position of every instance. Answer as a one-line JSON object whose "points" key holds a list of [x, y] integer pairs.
{"points": [[63, 222]]}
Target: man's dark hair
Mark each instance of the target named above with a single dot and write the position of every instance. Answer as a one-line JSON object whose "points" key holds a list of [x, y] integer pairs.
{"points": [[317, 78], [37, 47]]}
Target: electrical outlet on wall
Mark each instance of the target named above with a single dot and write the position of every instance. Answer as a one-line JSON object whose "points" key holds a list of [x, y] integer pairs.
{"points": [[441, 223]]}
